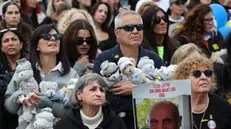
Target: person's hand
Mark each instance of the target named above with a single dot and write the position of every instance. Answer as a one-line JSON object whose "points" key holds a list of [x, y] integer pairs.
{"points": [[123, 87], [83, 60], [33, 100], [124, 8]]}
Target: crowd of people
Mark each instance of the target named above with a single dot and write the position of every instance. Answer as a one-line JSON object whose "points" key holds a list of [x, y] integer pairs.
{"points": [[71, 39]]}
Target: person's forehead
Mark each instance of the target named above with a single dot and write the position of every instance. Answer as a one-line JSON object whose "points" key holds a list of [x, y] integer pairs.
{"points": [[131, 19], [163, 109]]}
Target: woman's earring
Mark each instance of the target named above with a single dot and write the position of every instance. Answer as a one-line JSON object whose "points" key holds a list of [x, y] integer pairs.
{"points": [[37, 49]]}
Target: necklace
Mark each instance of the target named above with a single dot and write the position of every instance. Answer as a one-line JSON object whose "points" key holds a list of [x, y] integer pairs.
{"points": [[202, 118], [194, 122]]}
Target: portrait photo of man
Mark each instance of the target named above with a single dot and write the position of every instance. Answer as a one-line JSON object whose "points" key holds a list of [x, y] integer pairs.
{"points": [[164, 115]]}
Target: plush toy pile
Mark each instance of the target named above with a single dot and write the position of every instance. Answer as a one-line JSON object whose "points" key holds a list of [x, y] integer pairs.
{"points": [[145, 72]]}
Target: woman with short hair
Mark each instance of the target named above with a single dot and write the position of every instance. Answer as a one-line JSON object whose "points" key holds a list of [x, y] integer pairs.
{"points": [[208, 109], [89, 108]]}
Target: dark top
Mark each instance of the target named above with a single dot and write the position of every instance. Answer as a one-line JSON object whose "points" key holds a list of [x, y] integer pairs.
{"points": [[7, 120], [122, 105], [73, 121], [109, 43], [216, 39], [218, 111]]}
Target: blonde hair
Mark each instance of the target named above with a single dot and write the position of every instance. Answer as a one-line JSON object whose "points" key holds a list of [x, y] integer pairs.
{"points": [[65, 21], [185, 67], [51, 10], [183, 52], [145, 6]]}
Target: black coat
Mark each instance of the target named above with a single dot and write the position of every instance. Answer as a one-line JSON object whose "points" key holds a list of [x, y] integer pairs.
{"points": [[73, 121]]}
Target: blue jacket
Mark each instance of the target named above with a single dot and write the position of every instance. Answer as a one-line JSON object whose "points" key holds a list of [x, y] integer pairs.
{"points": [[122, 105]]}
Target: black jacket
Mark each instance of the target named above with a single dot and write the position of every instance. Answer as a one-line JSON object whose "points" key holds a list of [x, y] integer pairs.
{"points": [[73, 121], [122, 105]]}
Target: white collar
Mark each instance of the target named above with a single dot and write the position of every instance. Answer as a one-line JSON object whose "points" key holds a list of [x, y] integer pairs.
{"points": [[58, 67]]}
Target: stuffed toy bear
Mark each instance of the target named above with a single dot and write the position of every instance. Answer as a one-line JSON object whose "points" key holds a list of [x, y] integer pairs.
{"points": [[130, 72], [49, 89], [44, 119], [110, 73], [65, 92], [165, 73], [147, 66], [28, 84]]}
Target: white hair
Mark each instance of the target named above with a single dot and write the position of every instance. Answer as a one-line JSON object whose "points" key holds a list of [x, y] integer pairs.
{"points": [[118, 18]]}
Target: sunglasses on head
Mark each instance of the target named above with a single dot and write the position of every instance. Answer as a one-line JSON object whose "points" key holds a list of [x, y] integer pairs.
{"points": [[197, 73], [49, 36], [9, 29], [81, 40], [180, 2], [131, 27], [157, 20]]}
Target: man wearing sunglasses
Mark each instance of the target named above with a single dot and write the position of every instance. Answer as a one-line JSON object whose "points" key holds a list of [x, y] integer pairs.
{"points": [[129, 33]]}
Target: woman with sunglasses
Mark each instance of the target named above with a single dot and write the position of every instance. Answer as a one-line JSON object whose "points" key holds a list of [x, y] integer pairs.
{"points": [[11, 50], [81, 46], [198, 28], [12, 19], [176, 10], [49, 63], [156, 33], [208, 110], [101, 13]]}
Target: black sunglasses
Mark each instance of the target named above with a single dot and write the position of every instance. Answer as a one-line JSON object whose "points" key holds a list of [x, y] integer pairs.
{"points": [[157, 20], [131, 27], [197, 73], [81, 40], [48, 36]]}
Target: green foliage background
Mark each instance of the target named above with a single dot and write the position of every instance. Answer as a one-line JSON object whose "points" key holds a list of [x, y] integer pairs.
{"points": [[143, 107]]}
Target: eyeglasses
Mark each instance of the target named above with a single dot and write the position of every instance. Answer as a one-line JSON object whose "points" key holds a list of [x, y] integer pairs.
{"points": [[81, 40], [8, 29], [197, 73], [49, 36], [130, 27], [208, 20], [180, 2], [157, 20]]}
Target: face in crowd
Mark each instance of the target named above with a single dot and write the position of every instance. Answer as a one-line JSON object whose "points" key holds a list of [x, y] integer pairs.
{"points": [[130, 32]]}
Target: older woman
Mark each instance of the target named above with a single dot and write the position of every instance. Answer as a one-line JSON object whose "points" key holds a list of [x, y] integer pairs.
{"points": [[49, 63], [209, 110], [156, 33], [81, 46], [89, 109], [198, 28], [12, 19], [11, 50]]}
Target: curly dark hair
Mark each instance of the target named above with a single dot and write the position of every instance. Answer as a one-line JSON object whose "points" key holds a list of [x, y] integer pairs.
{"points": [[69, 40], [193, 27]]}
